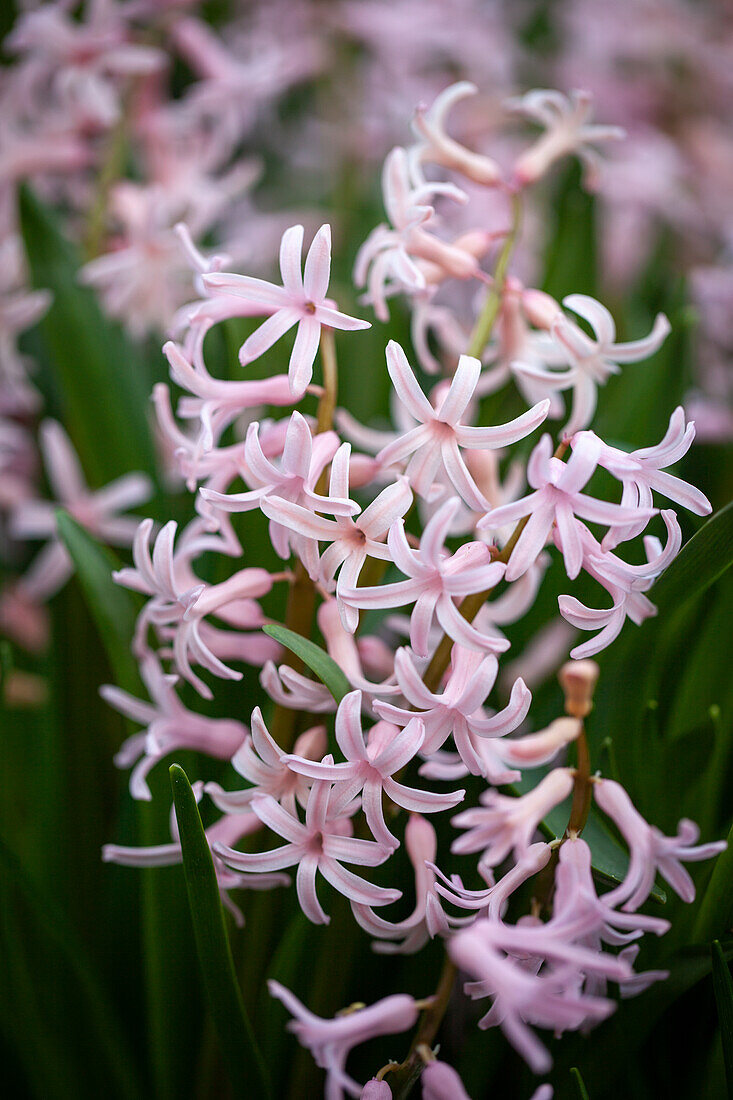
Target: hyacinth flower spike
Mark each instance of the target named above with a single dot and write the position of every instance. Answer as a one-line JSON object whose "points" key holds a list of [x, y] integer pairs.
{"points": [[301, 301], [558, 499], [433, 447], [318, 845], [371, 763], [330, 1041]]}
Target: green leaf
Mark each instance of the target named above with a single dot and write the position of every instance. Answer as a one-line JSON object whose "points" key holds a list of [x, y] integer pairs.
{"points": [[723, 988], [715, 915], [114, 609], [246, 1067], [32, 919], [580, 1084], [100, 379], [699, 563], [317, 659]]}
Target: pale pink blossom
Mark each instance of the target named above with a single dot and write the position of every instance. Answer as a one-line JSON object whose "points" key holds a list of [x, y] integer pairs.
{"points": [[492, 901], [406, 937], [179, 601], [643, 471], [435, 580], [651, 851], [504, 824], [330, 1041], [499, 957], [20, 309], [458, 709], [558, 499], [590, 361], [433, 447], [351, 540], [371, 763], [228, 830], [301, 301], [435, 146], [261, 761], [568, 131], [303, 459], [321, 844], [441, 1082], [216, 403], [98, 511], [169, 726]]}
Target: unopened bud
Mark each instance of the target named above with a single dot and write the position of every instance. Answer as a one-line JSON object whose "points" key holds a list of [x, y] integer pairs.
{"points": [[540, 309], [578, 680]]}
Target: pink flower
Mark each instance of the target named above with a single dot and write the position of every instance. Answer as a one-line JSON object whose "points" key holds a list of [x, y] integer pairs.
{"points": [[96, 510], [262, 762], [642, 471], [567, 131], [215, 403], [650, 850], [434, 445], [441, 1082], [351, 540], [304, 458], [558, 499], [435, 580], [435, 146], [504, 960], [370, 765], [504, 824], [301, 301], [493, 901], [170, 726], [179, 601], [330, 1041], [458, 709], [590, 360], [317, 845], [415, 930], [227, 829]]}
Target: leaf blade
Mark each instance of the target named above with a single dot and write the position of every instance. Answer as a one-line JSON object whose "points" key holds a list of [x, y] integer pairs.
{"points": [[700, 562], [247, 1069], [723, 988], [314, 657]]}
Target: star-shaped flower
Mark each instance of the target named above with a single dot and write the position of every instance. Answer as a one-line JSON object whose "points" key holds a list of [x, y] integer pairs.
{"points": [[301, 301]]}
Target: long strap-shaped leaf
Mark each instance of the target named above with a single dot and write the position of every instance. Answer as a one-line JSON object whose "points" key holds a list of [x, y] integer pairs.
{"points": [[700, 562], [246, 1066], [723, 987]]}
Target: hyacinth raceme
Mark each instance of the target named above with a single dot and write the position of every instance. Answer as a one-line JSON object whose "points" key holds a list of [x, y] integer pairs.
{"points": [[429, 701]]}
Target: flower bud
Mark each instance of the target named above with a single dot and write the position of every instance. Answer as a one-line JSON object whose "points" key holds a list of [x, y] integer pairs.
{"points": [[578, 681]]}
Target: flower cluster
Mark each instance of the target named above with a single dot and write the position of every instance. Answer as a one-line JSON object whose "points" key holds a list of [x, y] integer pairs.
{"points": [[424, 519]]}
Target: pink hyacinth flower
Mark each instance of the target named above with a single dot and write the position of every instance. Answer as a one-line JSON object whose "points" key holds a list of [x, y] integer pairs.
{"points": [[433, 447], [169, 726], [96, 510], [301, 301], [558, 499], [304, 458], [457, 709], [503, 824], [650, 849], [435, 146], [643, 472], [371, 763], [330, 1041], [436, 579], [591, 360], [318, 845], [567, 131], [262, 762], [410, 935], [351, 540]]}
